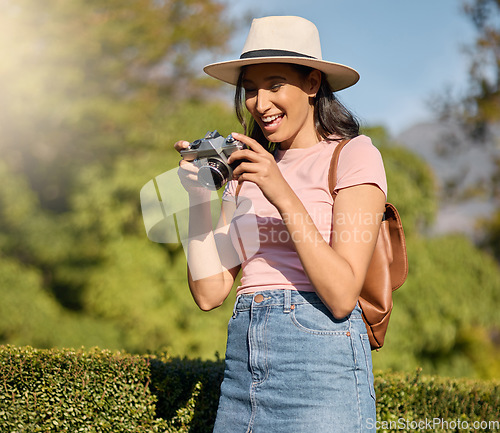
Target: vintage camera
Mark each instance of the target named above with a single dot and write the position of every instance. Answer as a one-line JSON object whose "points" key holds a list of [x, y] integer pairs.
{"points": [[210, 154]]}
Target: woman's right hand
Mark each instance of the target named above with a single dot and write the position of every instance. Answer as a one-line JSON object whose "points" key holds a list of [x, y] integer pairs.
{"points": [[188, 174]]}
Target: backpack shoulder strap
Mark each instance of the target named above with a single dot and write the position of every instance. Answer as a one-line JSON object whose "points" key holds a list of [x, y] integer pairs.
{"points": [[237, 192], [332, 172]]}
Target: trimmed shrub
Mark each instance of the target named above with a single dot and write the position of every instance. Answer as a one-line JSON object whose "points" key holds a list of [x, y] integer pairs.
{"points": [[101, 391], [75, 391], [413, 402]]}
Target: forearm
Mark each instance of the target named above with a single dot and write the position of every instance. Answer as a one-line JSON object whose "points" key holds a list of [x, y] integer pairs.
{"points": [[320, 261], [212, 265], [337, 272], [208, 258], [202, 254], [209, 282]]}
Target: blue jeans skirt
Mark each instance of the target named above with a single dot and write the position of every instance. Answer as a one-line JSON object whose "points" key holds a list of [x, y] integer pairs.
{"points": [[292, 367]]}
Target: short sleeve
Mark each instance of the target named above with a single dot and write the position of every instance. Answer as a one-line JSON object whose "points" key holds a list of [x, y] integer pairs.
{"points": [[230, 191], [360, 162]]}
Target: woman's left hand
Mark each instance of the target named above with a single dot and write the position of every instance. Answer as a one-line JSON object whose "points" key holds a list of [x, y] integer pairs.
{"points": [[259, 167]]}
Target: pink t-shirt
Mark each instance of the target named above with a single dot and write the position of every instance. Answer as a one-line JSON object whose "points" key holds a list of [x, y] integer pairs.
{"points": [[267, 253]]}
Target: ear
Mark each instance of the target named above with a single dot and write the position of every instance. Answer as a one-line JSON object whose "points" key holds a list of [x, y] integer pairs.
{"points": [[313, 83]]}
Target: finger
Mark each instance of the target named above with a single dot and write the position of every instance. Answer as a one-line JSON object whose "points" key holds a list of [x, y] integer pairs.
{"points": [[248, 177], [245, 167], [250, 142], [181, 145], [248, 154], [188, 166]]}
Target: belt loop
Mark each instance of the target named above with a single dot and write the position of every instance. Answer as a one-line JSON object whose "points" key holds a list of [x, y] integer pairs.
{"points": [[235, 305], [287, 301]]}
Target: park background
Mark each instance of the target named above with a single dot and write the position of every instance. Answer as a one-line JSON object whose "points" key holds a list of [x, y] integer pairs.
{"points": [[94, 94]]}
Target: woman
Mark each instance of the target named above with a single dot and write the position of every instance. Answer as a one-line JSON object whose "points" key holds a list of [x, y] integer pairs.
{"points": [[298, 356]]}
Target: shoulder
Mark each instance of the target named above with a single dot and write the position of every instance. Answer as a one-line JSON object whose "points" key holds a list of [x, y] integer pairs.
{"points": [[358, 152], [359, 146], [361, 162]]}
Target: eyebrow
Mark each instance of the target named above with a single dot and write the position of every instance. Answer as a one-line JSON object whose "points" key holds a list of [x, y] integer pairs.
{"points": [[270, 78]]}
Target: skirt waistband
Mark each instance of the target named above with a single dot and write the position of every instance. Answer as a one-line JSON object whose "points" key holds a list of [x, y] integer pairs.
{"points": [[282, 297]]}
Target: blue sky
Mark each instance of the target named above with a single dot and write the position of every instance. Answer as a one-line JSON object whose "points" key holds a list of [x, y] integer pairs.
{"points": [[406, 51]]}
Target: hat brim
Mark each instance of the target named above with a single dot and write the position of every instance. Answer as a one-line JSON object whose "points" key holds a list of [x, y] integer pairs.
{"points": [[339, 76]]}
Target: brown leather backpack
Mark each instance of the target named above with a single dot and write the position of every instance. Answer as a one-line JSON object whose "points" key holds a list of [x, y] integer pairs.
{"points": [[388, 267]]}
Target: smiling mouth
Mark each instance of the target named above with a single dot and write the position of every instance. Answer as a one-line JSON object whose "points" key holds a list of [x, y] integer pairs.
{"points": [[271, 120]]}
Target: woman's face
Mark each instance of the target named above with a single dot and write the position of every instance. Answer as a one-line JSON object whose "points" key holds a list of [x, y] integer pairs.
{"points": [[279, 99]]}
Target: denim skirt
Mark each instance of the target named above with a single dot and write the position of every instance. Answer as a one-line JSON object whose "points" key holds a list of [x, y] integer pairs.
{"points": [[292, 367]]}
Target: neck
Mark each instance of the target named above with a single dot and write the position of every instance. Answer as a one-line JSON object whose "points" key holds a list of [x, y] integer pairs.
{"points": [[302, 140], [306, 136]]}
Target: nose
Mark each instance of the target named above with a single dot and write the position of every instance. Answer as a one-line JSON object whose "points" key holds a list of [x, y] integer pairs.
{"points": [[263, 102]]}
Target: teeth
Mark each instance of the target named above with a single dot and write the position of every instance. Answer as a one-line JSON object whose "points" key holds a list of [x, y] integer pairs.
{"points": [[270, 118]]}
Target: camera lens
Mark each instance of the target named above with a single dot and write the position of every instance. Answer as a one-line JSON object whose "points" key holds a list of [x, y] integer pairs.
{"points": [[214, 174]]}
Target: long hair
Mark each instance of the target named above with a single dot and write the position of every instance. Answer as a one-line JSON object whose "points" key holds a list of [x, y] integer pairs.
{"points": [[331, 117]]}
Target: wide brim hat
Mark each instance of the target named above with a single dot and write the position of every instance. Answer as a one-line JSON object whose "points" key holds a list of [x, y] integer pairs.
{"points": [[284, 39]]}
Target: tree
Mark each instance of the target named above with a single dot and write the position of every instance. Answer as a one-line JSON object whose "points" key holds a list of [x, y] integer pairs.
{"points": [[478, 105], [410, 180], [475, 110], [29, 311], [138, 285], [80, 81], [93, 89], [76, 151], [445, 317], [482, 103]]}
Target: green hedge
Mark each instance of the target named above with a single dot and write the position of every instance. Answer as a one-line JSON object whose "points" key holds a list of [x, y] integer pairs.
{"points": [[102, 391]]}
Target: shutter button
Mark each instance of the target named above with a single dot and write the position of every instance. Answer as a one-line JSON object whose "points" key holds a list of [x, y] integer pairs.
{"points": [[258, 298]]}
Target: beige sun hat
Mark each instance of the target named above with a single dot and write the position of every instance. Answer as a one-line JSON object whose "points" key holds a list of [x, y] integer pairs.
{"points": [[283, 39]]}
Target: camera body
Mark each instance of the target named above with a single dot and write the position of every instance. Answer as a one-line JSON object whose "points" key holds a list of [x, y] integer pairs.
{"points": [[210, 155]]}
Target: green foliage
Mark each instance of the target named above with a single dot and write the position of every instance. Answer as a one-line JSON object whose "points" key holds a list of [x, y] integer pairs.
{"points": [[138, 285], [92, 96], [482, 102], [410, 180], [92, 118], [95, 391], [103, 391], [29, 314], [95, 259], [187, 391], [25, 227], [22, 294], [446, 314], [411, 399], [490, 229]]}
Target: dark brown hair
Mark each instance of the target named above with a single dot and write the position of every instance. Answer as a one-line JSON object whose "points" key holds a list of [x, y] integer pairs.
{"points": [[330, 115]]}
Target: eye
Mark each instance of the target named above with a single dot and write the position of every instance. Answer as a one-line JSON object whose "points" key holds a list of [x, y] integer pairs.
{"points": [[250, 92], [276, 87]]}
